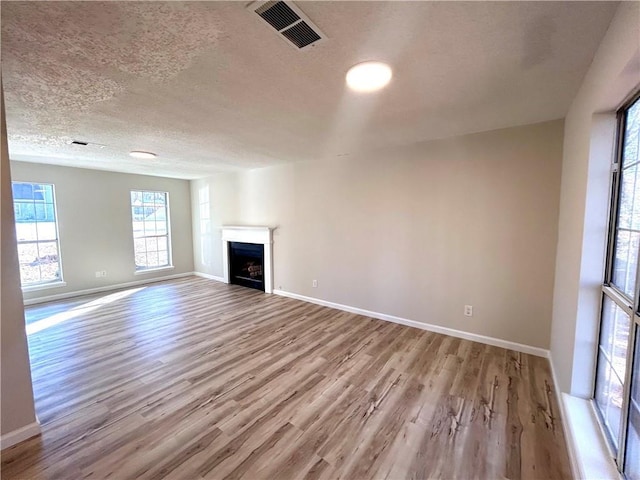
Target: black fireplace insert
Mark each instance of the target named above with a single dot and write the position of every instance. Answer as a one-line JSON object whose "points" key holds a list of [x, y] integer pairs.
{"points": [[246, 264]]}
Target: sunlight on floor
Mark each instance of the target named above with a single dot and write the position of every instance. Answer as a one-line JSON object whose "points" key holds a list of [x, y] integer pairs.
{"points": [[77, 311]]}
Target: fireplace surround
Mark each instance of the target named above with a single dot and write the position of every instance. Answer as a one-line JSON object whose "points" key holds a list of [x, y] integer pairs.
{"points": [[236, 236]]}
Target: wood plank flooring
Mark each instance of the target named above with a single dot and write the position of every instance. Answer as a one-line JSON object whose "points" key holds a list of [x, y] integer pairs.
{"points": [[192, 379]]}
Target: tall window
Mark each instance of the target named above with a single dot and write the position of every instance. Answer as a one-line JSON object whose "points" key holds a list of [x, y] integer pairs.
{"points": [[37, 233], [205, 225], [150, 216], [617, 389]]}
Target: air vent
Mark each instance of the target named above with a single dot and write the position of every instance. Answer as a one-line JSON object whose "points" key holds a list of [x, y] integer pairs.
{"points": [[291, 24], [278, 14], [86, 144], [301, 35]]}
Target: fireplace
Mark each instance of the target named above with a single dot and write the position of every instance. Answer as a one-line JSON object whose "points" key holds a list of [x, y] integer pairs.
{"points": [[247, 256], [246, 265]]}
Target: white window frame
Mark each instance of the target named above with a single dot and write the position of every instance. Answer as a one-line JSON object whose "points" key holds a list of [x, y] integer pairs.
{"points": [[629, 304], [169, 264], [41, 284]]}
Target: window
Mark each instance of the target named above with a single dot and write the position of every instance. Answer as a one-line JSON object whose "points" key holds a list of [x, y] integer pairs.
{"points": [[205, 225], [617, 393], [150, 216], [37, 233]]}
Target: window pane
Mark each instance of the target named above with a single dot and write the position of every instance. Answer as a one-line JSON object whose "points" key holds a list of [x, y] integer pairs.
{"points": [[625, 261], [163, 258], [614, 335], [29, 274], [46, 230], [149, 227], [138, 222], [152, 244], [163, 244], [26, 231], [141, 260], [629, 208], [45, 193], [41, 212], [148, 197], [161, 214], [632, 461], [609, 398], [22, 191], [139, 245], [614, 339], [49, 269], [136, 198], [630, 149], [161, 228], [46, 250], [28, 253], [25, 212], [152, 259]]}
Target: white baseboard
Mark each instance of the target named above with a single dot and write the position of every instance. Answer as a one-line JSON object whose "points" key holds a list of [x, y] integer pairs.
{"points": [[10, 439], [106, 288], [210, 277], [496, 342]]}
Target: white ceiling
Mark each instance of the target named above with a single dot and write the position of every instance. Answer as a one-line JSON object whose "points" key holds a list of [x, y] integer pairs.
{"points": [[210, 87]]}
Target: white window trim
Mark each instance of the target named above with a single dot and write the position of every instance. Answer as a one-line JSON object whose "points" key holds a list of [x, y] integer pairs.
{"points": [[170, 266], [153, 270], [592, 451], [52, 283]]}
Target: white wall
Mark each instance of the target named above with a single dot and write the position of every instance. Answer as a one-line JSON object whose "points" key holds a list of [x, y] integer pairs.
{"points": [[94, 222], [17, 411], [420, 231], [222, 193], [588, 149]]}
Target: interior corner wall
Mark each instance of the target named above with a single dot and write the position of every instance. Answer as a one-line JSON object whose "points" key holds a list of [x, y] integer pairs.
{"points": [[16, 408], [94, 224], [419, 231], [612, 76], [214, 203]]}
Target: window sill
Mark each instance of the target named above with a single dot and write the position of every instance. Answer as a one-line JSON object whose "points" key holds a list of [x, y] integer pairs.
{"points": [[153, 270], [43, 286], [591, 450]]}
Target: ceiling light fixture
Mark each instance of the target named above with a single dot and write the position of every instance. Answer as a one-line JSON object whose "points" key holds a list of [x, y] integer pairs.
{"points": [[369, 76], [141, 154]]}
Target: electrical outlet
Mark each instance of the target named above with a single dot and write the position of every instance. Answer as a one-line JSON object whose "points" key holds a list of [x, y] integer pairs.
{"points": [[468, 311], [98, 274], [101, 273], [314, 283], [104, 273]]}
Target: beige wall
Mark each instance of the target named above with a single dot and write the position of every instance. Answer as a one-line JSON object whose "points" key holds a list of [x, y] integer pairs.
{"points": [[613, 75], [94, 221], [17, 410], [420, 231]]}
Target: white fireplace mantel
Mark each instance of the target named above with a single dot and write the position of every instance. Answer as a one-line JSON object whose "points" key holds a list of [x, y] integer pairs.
{"points": [[246, 234]]}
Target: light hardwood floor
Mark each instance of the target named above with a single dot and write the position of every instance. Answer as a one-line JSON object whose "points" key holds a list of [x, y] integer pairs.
{"points": [[193, 379]]}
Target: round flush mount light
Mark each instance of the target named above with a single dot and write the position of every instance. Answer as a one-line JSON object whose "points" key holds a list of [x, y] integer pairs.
{"points": [[141, 154], [369, 76]]}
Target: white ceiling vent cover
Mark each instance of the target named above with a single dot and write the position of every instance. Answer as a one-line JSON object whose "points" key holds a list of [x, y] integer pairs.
{"points": [[293, 26]]}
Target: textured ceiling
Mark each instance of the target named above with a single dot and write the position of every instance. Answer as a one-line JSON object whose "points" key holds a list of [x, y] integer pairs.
{"points": [[209, 87]]}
